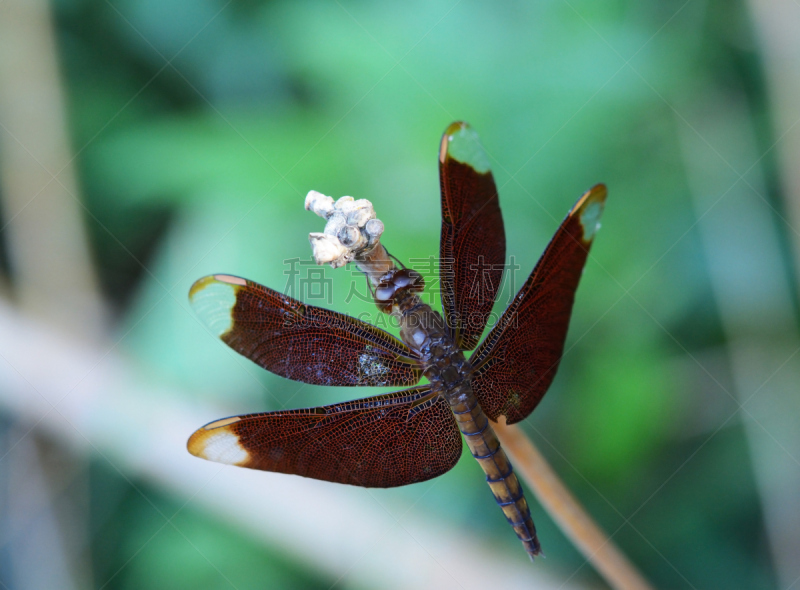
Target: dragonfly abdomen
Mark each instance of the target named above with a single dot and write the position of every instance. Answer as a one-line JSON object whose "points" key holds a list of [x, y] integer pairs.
{"points": [[444, 364], [485, 448]]}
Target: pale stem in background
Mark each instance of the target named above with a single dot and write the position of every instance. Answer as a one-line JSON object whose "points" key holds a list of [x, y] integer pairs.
{"points": [[54, 280], [755, 306], [346, 220], [776, 23], [53, 273]]}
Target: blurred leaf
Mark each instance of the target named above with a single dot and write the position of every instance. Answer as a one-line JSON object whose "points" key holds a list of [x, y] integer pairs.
{"points": [[620, 411]]}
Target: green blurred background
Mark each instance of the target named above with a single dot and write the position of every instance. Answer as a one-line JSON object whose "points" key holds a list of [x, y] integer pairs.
{"points": [[148, 143]]}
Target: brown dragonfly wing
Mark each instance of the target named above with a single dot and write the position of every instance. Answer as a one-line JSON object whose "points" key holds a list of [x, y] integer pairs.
{"points": [[299, 341], [473, 242], [377, 442], [514, 366]]}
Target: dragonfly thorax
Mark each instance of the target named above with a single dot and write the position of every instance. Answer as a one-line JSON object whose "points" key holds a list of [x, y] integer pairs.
{"points": [[424, 331], [395, 283]]}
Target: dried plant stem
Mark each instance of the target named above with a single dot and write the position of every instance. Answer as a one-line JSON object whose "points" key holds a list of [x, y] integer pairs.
{"points": [[572, 519]]}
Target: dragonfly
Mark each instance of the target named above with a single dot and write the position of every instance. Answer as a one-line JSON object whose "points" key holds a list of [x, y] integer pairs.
{"points": [[416, 433]]}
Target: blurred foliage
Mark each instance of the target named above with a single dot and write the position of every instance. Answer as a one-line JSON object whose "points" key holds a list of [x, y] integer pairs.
{"points": [[127, 521], [200, 126]]}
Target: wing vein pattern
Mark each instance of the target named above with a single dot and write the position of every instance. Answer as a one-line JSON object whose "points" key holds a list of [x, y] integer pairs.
{"points": [[383, 441]]}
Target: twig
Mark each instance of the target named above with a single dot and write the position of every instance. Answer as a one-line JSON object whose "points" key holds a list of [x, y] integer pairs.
{"points": [[561, 505], [348, 237]]}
